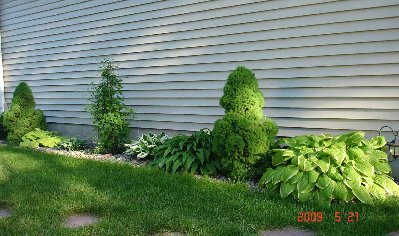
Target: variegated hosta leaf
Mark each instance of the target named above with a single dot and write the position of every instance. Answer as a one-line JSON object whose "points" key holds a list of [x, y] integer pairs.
{"points": [[364, 167], [295, 179], [362, 194], [313, 176], [324, 163], [286, 189], [341, 192], [289, 172], [377, 142], [334, 174], [377, 192], [323, 181]]}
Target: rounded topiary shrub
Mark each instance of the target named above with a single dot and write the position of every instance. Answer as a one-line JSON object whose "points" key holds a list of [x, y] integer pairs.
{"points": [[244, 135], [22, 117]]}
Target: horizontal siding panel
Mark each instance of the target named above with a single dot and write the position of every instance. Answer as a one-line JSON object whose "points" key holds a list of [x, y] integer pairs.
{"points": [[117, 13], [271, 31], [326, 103], [260, 60], [166, 73], [202, 47], [332, 124], [302, 57], [37, 9], [388, 92], [145, 112], [329, 82]]}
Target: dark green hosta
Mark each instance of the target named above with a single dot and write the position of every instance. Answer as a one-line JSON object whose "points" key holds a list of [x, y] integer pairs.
{"points": [[325, 167], [187, 153]]}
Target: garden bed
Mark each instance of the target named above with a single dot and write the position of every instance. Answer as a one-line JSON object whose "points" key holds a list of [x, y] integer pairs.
{"points": [[42, 190]]}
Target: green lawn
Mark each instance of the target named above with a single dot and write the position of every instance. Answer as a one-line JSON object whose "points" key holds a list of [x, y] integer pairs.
{"points": [[44, 189]]}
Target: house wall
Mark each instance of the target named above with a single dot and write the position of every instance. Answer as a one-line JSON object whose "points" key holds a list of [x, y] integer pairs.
{"points": [[323, 65]]}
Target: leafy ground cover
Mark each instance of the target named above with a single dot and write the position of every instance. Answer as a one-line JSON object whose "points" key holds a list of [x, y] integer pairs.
{"points": [[44, 189]]}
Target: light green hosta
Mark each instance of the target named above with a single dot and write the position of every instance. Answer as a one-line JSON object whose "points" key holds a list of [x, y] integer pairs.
{"points": [[40, 138], [325, 167], [145, 145]]}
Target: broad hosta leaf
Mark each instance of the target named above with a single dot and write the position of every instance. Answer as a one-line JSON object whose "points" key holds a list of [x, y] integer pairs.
{"points": [[322, 200], [324, 163], [362, 194], [305, 197], [294, 160], [364, 167], [278, 158], [295, 179], [355, 152], [334, 174], [277, 174], [327, 193], [305, 165], [341, 192], [353, 183], [313, 176], [355, 139], [289, 172], [368, 181], [323, 181], [392, 186], [382, 167], [377, 156], [282, 155], [377, 142], [338, 155], [377, 192], [381, 181], [303, 184], [286, 189]]}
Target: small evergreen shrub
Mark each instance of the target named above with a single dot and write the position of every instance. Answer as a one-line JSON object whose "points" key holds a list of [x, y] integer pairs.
{"points": [[187, 153], [244, 135], [22, 117], [40, 138], [109, 112], [325, 168], [144, 147]]}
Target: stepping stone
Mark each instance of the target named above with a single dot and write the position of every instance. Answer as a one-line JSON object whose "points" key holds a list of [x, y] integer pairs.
{"points": [[77, 221], [4, 213], [288, 232]]}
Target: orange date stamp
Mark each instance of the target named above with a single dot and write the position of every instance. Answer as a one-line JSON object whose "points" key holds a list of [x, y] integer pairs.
{"points": [[317, 217]]}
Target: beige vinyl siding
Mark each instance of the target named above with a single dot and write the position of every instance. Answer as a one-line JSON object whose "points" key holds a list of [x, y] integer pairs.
{"points": [[322, 65]]}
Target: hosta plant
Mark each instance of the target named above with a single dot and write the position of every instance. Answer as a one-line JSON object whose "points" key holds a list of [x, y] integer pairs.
{"points": [[324, 168], [187, 153], [40, 138], [72, 144], [145, 146]]}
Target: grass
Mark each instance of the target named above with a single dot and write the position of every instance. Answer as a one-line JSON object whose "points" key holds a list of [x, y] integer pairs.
{"points": [[44, 189]]}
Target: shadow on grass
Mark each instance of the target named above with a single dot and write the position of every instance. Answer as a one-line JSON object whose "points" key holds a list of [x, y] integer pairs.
{"points": [[44, 189]]}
